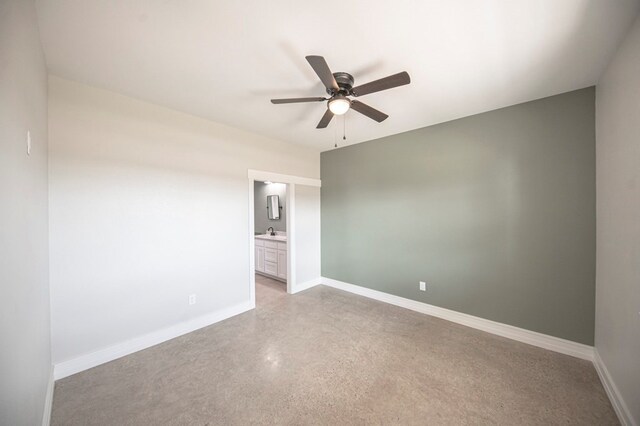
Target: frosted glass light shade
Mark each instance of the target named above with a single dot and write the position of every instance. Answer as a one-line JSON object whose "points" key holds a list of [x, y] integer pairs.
{"points": [[339, 106]]}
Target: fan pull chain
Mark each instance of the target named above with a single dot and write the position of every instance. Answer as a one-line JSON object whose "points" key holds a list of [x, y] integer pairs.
{"points": [[344, 131], [344, 127]]}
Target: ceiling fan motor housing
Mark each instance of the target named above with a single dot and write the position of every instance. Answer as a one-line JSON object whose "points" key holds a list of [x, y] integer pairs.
{"points": [[345, 83]]}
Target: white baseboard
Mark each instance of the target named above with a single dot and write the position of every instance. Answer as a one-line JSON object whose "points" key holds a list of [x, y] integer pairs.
{"points": [[48, 400], [93, 359], [306, 285], [273, 277], [613, 393], [555, 344]]}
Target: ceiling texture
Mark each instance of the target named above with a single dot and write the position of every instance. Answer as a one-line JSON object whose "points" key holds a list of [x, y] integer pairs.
{"points": [[224, 60]]}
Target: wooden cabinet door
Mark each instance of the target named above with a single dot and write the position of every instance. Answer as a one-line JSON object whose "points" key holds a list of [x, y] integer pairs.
{"points": [[259, 259], [282, 264]]}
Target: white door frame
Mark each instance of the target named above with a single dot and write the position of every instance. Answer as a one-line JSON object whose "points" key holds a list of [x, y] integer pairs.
{"points": [[290, 181]]}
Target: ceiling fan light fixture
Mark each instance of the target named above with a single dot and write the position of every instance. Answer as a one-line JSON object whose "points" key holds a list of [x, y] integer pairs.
{"points": [[339, 105]]}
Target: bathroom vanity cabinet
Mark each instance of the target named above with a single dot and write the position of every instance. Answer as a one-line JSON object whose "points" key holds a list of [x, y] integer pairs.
{"points": [[271, 256]]}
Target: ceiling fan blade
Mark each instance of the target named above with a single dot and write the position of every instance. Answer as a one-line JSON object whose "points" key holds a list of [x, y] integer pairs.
{"points": [[321, 68], [390, 82], [296, 100], [326, 118], [365, 109]]}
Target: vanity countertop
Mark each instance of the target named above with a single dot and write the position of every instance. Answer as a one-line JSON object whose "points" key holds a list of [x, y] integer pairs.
{"points": [[281, 238]]}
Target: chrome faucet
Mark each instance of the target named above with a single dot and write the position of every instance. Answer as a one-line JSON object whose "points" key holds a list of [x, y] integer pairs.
{"points": [[272, 231]]}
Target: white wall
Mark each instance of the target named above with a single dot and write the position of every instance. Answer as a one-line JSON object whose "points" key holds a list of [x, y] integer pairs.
{"points": [[147, 206], [25, 352], [617, 337], [307, 233]]}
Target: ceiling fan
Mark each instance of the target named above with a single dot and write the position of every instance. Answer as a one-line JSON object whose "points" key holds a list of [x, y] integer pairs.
{"points": [[340, 85]]}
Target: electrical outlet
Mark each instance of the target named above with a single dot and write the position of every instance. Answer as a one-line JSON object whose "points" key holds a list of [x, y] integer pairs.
{"points": [[192, 299], [423, 286]]}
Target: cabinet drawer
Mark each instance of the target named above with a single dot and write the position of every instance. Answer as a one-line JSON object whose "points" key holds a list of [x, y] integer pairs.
{"points": [[271, 244], [259, 242], [271, 267], [270, 255], [282, 246]]}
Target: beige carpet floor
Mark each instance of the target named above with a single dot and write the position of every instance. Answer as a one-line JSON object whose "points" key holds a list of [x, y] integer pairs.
{"points": [[324, 356]]}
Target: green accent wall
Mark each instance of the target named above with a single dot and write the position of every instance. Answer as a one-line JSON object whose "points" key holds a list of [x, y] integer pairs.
{"points": [[496, 212]]}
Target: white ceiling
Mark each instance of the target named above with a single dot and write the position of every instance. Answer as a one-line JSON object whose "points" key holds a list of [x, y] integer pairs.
{"points": [[224, 60]]}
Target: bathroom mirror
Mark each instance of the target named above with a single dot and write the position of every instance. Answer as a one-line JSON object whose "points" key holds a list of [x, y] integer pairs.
{"points": [[273, 207]]}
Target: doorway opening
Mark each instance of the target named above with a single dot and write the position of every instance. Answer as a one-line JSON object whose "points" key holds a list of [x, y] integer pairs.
{"points": [[296, 259], [270, 239]]}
